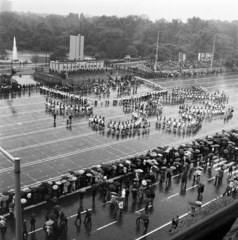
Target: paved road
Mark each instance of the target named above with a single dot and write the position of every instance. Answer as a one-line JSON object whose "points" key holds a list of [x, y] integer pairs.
{"points": [[46, 151]]}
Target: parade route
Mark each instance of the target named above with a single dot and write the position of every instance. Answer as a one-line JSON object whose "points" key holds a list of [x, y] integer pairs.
{"points": [[47, 152]]}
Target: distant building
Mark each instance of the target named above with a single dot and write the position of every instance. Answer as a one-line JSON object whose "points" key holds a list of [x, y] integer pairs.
{"points": [[76, 47], [181, 57], [204, 56], [5, 6], [71, 66]]}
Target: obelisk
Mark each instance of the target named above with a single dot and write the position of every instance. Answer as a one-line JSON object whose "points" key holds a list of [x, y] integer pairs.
{"points": [[14, 50]]}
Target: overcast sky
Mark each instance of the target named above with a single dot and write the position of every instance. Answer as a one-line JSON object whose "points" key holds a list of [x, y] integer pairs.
{"points": [[155, 9]]}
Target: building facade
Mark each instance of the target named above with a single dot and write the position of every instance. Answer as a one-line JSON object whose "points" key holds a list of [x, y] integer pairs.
{"points": [[76, 66], [76, 47], [5, 6]]}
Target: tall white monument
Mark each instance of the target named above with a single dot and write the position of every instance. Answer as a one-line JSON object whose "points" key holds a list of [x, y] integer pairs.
{"points": [[76, 47], [14, 50]]}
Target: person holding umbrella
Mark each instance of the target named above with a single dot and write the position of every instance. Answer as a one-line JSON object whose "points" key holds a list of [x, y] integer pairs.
{"points": [[86, 216], [200, 190], [184, 181], [78, 217], [146, 223], [24, 228], [152, 196], [33, 222], [138, 217]]}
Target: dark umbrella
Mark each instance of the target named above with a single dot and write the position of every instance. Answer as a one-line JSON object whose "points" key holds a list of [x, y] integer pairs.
{"points": [[47, 197], [144, 216], [52, 216], [65, 177], [134, 190], [117, 184], [146, 200], [57, 207], [94, 186], [111, 187], [5, 193], [120, 199], [192, 203]]}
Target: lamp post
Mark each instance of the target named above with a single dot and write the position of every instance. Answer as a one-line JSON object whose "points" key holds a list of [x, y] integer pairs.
{"points": [[213, 49], [17, 171], [156, 54]]}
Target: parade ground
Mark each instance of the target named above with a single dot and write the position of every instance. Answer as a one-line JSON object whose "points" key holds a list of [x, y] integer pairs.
{"points": [[48, 151]]}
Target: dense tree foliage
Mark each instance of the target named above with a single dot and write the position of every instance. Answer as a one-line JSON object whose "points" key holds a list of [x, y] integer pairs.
{"points": [[113, 37]]}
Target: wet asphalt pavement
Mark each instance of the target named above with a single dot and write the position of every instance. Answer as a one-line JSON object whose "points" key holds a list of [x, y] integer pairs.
{"points": [[27, 131]]}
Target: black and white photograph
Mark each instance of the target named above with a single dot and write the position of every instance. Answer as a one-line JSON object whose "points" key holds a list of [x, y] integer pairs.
{"points": [[118, 120]]}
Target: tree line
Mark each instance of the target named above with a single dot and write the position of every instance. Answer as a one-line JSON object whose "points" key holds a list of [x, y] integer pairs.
{"points": [[112, 37]]}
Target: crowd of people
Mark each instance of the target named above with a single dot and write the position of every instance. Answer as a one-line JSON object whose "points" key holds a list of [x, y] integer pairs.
{"points": [[156, 164]]}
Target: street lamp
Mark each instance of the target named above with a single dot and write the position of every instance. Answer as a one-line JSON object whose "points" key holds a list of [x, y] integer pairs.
{"points": [[156, 54], [17, 171], [213, 49]]}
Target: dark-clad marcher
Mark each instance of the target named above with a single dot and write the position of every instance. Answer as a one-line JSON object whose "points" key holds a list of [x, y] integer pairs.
{"points": [[138, 217], [152, 197], [24, 229], [146, 223], [86, 216], [184, 181], [200, 190], [78, 217], [33, 223]]}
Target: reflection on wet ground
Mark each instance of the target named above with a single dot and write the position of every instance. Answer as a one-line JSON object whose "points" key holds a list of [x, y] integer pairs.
{"points": [[27, 131]]}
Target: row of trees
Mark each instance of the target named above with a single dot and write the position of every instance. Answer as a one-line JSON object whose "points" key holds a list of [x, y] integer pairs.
{"points": [[114, 37]]}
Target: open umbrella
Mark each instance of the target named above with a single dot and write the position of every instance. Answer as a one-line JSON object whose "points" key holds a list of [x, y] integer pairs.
{"points": [[192, 203], [49, 223], [47, 197], [11, 205], [52, 216], [146, 200], [94, 186], [144, 216], [139, 170], [26, 190], [56, 207], [173, 167], [89, 175], [120, 199], [134, 189], [58, 183], [136, 179], [64, 177], [67, 184], [111, 187], [144, 183], [199, 203], [23, 201], [81, 172], [82, 190], [5, 193]]}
